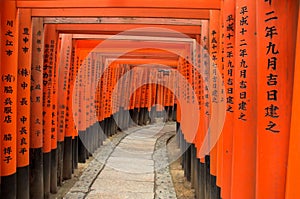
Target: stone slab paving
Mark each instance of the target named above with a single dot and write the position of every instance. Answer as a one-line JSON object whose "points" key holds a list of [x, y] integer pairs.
{"points": [[132, 164]]}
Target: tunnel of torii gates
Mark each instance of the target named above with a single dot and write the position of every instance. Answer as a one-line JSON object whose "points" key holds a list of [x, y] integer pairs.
{"points": [[228, 71]]}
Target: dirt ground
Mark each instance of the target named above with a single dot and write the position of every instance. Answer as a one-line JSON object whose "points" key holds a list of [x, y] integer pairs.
{"points": [[182, 186], [68, 184]]}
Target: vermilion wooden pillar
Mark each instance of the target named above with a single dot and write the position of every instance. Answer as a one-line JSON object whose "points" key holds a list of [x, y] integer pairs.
{"points": [[80, 109], [72, 111], [69, 123], [229, 23], [23, 102], [54, 118], [49, 67], [8, 93], [36, 116], [221, 98], [205, 105], [214, 51], [293, 174], [63, 75], [276, 36], [245, 102]]}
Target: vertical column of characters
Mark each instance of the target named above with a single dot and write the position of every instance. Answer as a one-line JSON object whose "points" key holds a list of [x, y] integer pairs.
{"points": [[214, 51], [96, 94], [111, 71], [204, 59], [115, 109], [93, 87], [69, 123], [87, 97], [188, 97], [200, 132], [55, 74], [205, 192], [293, 175], [23, 103], [63, 76], [97, 91], [81, 107], [24, 72], [74, 103], [106, 99], [228, 78], [183, 96], [55, 54], [106, 91], [127, 95], [121, 89], [276, 34], [191, 111], [92, 101], [8, 115], [118, 75], [101, 102], [112, 97], [178, 92], [115, 90], [48, 66], [36, 117], [198, 90], [47, 86], [148, 90], [102, 93], [245, 85], [75, 100], [221, 99]]}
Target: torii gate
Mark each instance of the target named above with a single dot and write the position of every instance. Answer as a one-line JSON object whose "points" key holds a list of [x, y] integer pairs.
{"points": [[65, 16]]}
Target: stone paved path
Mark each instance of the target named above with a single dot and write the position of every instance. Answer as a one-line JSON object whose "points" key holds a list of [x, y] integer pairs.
{"points": [[134, 164]]}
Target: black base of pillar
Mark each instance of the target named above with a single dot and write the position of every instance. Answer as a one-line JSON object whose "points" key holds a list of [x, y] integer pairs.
{"points": [[22, 183], [60, 152], [67, 160], [47, 168], [36, 179], [53, 171], [81, 147], [9, 186]]}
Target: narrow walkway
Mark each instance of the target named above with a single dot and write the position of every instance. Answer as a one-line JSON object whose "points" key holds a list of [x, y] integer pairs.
{"points": [[132, 164]]}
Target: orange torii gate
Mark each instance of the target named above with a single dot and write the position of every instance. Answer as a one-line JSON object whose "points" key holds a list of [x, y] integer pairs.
{"points": [[257, 142]]}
